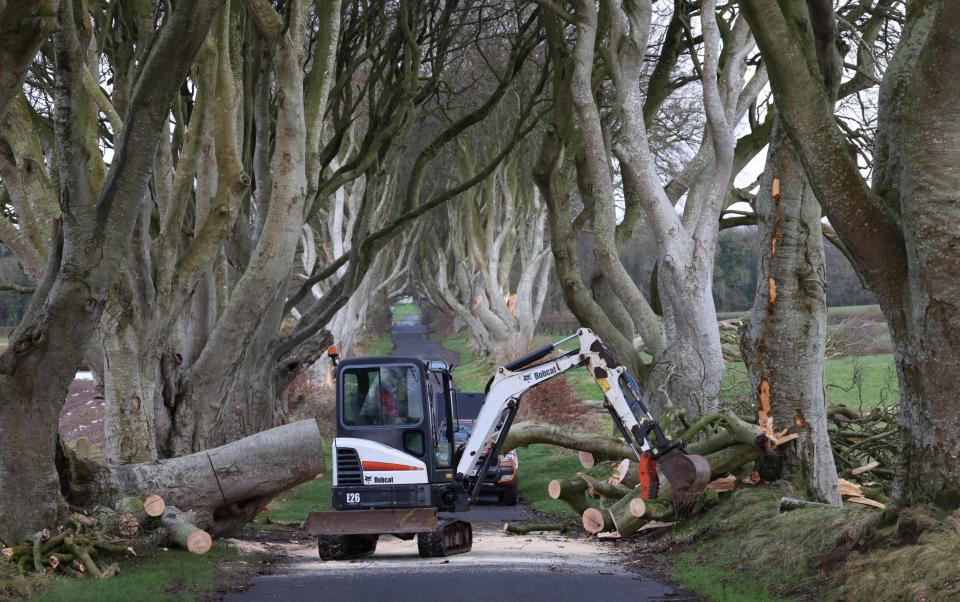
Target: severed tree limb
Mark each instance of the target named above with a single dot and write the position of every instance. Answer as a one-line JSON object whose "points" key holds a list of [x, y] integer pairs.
{"points": [[7, 287], [598, 488], [602, 448], [524, 528], [82, 554], [702, 424]]}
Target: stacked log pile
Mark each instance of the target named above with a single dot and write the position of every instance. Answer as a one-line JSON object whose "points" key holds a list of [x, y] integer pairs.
{"points": [[88, 543]]}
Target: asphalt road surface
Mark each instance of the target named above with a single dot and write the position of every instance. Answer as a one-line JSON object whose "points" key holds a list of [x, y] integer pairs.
{"points": [[542, 567], [531, 568]]}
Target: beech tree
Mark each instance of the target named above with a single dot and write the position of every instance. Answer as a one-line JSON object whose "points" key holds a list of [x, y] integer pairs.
{"points": [[489, 260], [86, 254], [784, 344], [900, 229], [678, 323]]}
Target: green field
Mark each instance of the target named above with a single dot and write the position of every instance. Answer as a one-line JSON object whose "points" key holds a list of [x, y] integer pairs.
{"points": [[863, 380], [406, 309]]}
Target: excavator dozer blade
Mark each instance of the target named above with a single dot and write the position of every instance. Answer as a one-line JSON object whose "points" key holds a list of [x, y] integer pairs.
{"points": [[372, 522], [688, 474]]}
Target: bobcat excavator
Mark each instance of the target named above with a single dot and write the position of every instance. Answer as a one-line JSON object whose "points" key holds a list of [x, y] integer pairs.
{"points": [[396, 466]]}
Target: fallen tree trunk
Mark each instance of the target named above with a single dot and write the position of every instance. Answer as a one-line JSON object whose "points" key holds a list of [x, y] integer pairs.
{"points": [[222, 488]]}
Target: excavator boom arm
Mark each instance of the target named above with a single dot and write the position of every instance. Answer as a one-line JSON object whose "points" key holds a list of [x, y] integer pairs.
{"points": [[622, 400]]}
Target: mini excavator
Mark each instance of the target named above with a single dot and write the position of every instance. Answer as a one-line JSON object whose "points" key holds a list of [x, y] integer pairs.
{"points": [[396, 465]]}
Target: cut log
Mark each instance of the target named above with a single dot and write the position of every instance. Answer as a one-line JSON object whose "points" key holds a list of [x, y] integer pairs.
{"points": [[223, 488], [637, 507], [721, 462], [128, 525], [570, 491], [184, 533], [625, 474], [596, 520], [118, 521], [586, 459], [524, 528], [154, 505]]}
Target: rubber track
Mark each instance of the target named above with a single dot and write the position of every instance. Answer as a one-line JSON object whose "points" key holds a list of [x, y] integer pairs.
{"points": [[438, 543]]}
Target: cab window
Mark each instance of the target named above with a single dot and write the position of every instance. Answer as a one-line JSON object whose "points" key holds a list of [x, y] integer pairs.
{"points": [[381, 395]]}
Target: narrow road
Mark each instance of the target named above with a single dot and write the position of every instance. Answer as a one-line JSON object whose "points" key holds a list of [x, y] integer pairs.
{"points": [[410, 339], [532, 568]]}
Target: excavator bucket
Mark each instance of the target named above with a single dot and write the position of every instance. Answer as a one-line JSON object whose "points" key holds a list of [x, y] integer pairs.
{"points": [[688, 474]]}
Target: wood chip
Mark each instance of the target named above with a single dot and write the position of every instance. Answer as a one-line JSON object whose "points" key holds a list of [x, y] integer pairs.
{"points": [[609, 535], [848, 488], [655, 524], [620, 472], [865, 468], [786, 439], [727, 483], [866, 502]]}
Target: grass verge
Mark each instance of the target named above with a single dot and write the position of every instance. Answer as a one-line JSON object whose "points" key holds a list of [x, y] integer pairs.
{"points": [[160, 575], [745, 549], [378, 345], [473, 373]]}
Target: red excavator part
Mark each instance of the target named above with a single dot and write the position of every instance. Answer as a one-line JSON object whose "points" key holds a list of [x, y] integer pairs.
{"points": [[647, 475]]}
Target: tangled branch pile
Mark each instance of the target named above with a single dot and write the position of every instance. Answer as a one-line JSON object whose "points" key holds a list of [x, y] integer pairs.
{"points": [[865, 446], [612, 506], [615, 505], [83, 546]]}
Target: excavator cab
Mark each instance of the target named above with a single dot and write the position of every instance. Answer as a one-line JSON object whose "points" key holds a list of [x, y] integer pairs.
{"points": [[395, 434]]}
